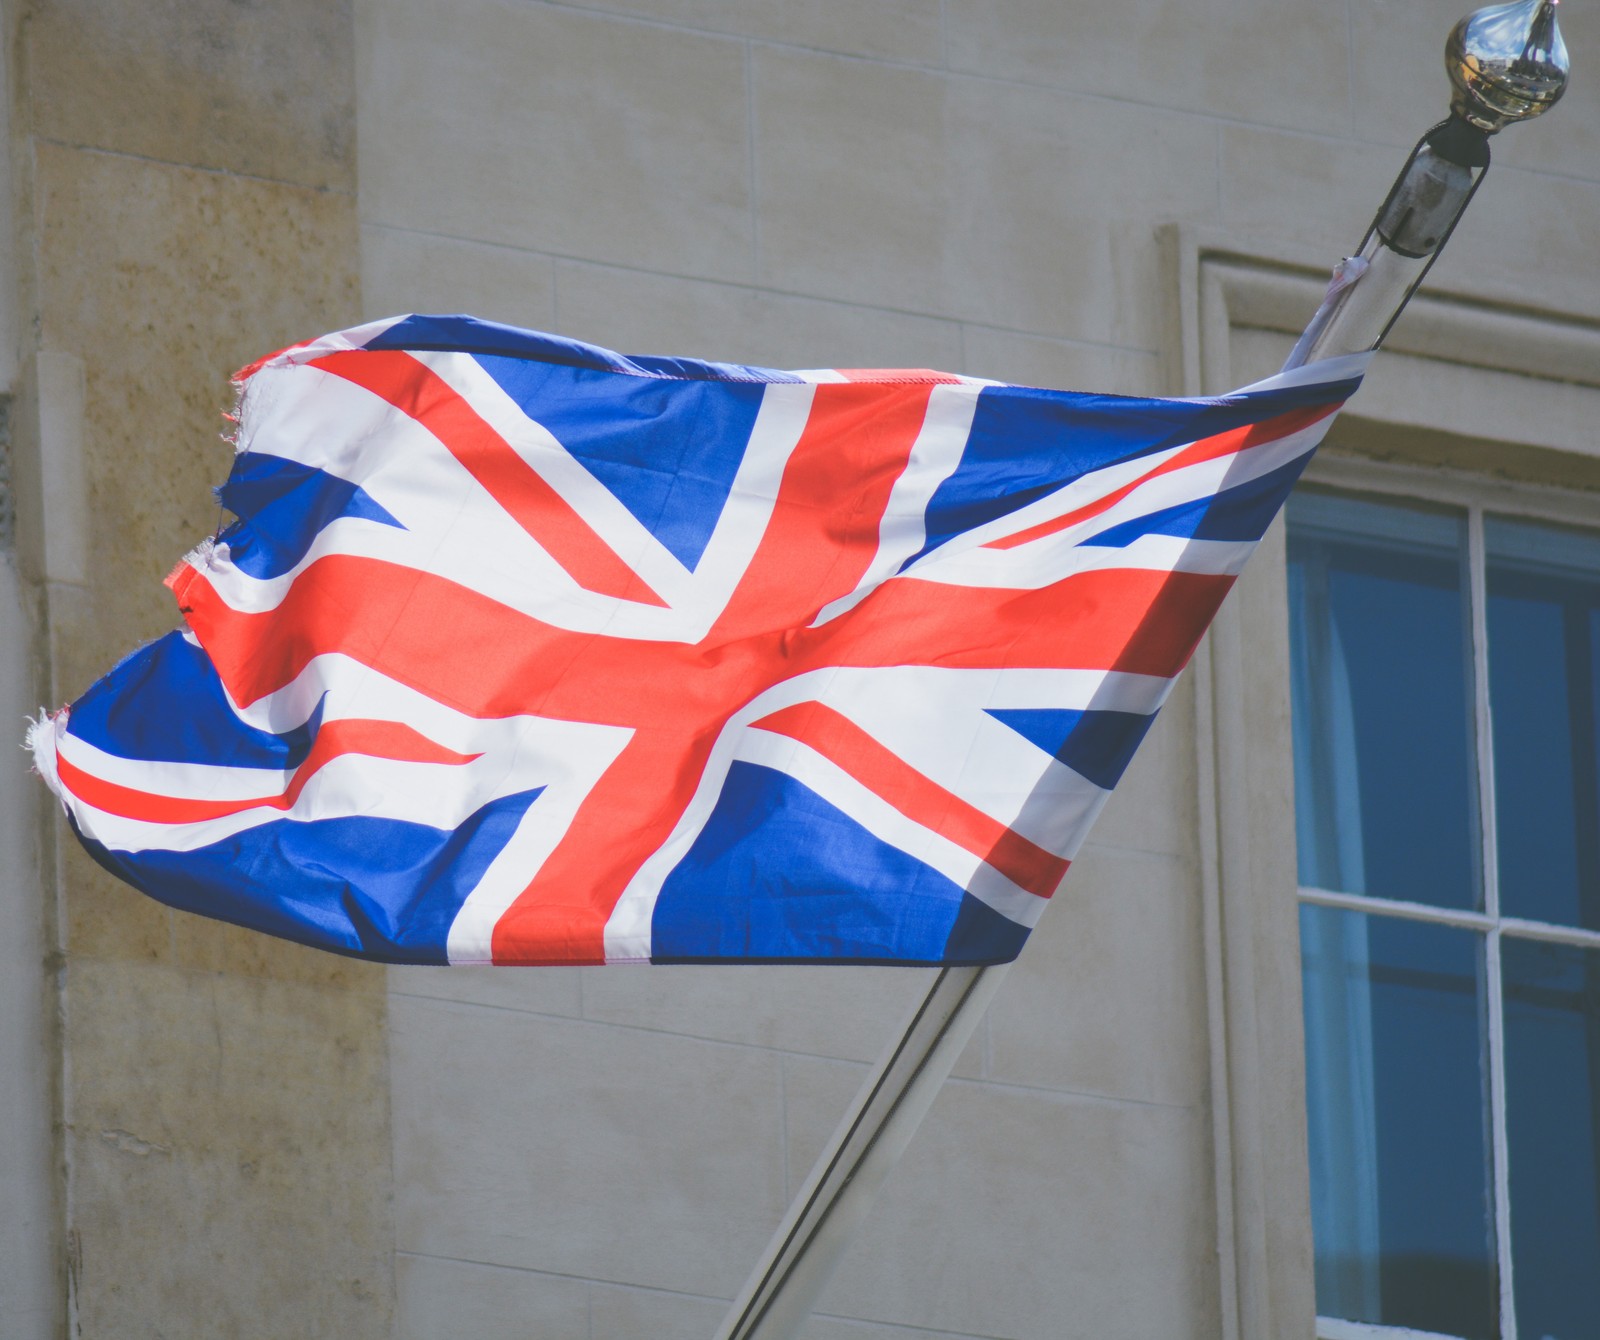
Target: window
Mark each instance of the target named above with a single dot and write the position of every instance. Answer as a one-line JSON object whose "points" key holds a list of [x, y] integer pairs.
{"points": [[1446, 693]]}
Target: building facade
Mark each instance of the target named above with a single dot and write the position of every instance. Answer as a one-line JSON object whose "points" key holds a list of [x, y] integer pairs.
{"points": [[214, 1134]]}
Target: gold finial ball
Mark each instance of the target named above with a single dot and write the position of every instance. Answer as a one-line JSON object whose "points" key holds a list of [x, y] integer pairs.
{"points": [[1507, 63]]}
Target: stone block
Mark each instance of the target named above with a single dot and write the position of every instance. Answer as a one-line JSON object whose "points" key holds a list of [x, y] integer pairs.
{"points": [[205, 944], [264, 89], [557, 991], [898, 30], [847, 1012], [816, 1093], [415, 272], [542, 128], [63, 470], [103, 918], [1315, 194], [644, 313], [1528, 240], [197, 274], [845, 1328], [458, 1300], [1063, 365], [1109, 995], [1254, 60], [618, 1313], [209, 1167], [581, 1149], [1031, 1215], [29, 1235], [1005, 205]]}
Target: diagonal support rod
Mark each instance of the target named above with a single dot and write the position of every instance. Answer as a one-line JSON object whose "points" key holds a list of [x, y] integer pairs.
{"points": [[841, 1188]]}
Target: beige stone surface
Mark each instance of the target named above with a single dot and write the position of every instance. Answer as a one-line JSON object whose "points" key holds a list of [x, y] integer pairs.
{"points": [[458, 1300], [818, 1011], [1006, 205], [1256, 60], [897, 30], [618, 1313], [403, 271], [1110, 997], [225, 1103], [1530, 241], [820, 1327], [639, 312], [1027, 1214], [261, 90], [1258, 987], [29, 1297], [1314, 193], [622, 1154], [552, 991], [194, 274], [505, 134], [1064, 365], [221, 1184]]}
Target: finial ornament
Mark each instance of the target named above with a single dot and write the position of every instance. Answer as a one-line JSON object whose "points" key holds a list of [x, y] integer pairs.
{"points": [[1508, 63]]}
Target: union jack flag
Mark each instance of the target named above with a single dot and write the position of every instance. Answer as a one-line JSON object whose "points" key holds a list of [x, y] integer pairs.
{"points": [[523, 651]]}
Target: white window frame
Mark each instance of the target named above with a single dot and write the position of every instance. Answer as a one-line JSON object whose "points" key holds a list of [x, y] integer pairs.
{"points": [[1474, 496], [1462, 376]]}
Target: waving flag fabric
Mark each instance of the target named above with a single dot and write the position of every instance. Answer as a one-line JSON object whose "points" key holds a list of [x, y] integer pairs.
{"points": [[523, 651]]}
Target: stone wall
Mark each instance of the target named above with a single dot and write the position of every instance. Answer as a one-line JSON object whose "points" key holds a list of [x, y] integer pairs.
{"points": [[255, 1140], [186, 178]]}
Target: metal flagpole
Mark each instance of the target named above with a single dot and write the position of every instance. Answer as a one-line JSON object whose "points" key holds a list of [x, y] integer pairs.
{"points": [[1506, 63]]}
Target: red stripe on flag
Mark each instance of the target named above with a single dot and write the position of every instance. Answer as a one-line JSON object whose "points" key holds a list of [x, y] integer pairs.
{"points": [[1206, 449], [421, 394], [561, 916], [496, 662], [1129, 619], [918, 797], [856, 443], [373, 739]]}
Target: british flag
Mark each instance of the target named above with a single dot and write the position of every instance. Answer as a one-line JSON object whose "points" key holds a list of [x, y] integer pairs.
{"points": [[522, 651]]}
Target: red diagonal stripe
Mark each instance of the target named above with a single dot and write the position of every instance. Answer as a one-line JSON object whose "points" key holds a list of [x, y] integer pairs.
{"points": [[825, 525], [561, 916], [918, 797], [445, 640], [418, 392], [1206, 449]]}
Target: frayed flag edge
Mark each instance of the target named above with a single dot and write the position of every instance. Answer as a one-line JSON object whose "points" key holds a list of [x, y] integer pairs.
{"points": [[40, 741]]}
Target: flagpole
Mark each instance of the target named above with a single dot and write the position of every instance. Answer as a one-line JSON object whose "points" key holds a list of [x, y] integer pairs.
{"points": [[1506, 63], [865, 1147]]}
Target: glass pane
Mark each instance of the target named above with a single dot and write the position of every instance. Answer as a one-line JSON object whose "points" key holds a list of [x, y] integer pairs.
{"points": [[1552, 995], [1395, 1096], [1385, 775], [1544, 692]]}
